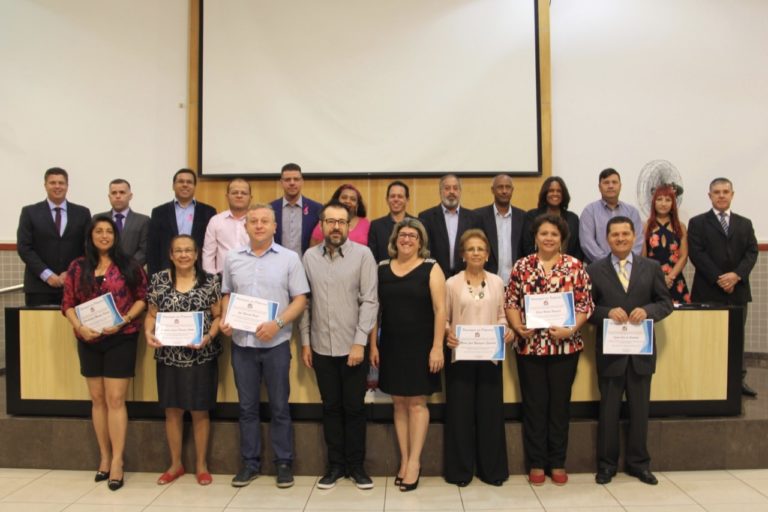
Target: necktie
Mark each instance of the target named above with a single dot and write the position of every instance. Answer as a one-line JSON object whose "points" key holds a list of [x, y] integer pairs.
{"points": [[119, 222], [623, 275], [724, 222], [57, 220]]}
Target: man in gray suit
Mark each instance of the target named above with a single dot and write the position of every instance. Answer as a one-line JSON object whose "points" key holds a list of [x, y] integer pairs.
{"points": [[133, 226], [626, 287]]}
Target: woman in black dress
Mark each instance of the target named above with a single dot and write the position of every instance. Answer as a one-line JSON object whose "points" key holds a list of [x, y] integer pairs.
{"points": [[412, 302], [187, 377]]}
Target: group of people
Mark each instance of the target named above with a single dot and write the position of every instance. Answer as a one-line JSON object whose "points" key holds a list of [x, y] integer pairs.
{"points": [[388, 293]]}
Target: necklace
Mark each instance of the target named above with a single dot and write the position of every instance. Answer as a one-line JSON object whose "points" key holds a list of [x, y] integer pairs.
{"points": [[480, 294]]}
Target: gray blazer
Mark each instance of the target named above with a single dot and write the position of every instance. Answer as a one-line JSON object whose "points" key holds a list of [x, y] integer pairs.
{"points": [[647, 290], [133, 239]]}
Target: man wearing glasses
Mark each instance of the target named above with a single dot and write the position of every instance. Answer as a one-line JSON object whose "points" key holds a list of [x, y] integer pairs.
{"points": [[334, 333]]}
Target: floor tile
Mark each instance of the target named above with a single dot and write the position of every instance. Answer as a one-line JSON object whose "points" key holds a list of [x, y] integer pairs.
{"points": [[485, 497], [725, 492], [697, 476], [617, 508], [665, 508], [132, 493], [163, 508], [260, 497], [194, 495], [636, 493], [750, 474], [574, 495], [348, 497], [735, 507], [10, 485], [428, 497], [22, 473], [51, 492], [89, 507], [32, 507]]}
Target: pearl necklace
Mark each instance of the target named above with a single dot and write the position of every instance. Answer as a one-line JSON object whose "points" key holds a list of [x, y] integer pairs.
{"points": [[480, 294]]}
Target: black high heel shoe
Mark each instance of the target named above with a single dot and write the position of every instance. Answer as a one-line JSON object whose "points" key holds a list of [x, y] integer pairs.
{"points": [[404, 487], [115, 484], [398, 481], [101, 476]]}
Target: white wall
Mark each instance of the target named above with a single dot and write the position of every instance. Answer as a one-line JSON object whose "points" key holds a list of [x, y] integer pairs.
{"points": [[680, 80]]}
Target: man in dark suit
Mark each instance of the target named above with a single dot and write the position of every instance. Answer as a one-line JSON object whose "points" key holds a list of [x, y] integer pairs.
{"points": [[445, 224], [50, 236], [503, 225], [723, 248], [133, 226], [182, 216], [626, 287], [381, 228], [296, 215]]}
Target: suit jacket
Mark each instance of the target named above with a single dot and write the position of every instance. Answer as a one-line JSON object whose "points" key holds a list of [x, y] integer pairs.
{"points": [[713, 254], [437, 231], [133, 239], [309, 219], [573, 247], [647, 290], [486, 219], [163, 227], [378, 236], [40, 247]]}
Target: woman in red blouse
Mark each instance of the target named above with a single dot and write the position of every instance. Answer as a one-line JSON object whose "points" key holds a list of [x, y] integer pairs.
{"points": [[547, 358], [107, 357]]}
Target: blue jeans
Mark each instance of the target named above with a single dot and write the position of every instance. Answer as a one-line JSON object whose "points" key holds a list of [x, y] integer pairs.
{"points": [[249, 365]]}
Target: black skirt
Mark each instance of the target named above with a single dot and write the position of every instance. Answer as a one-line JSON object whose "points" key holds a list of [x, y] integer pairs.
{"points": [[192, 388]]}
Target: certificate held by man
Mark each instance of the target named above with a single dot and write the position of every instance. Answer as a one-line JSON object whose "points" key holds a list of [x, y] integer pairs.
{"points": [[179, 329], [545, 310], [246, 313], [99, 313], [479, 343], [628, 338]]}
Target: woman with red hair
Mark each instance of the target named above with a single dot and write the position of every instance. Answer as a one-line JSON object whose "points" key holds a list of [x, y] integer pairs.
{"points": [[666, 241]]}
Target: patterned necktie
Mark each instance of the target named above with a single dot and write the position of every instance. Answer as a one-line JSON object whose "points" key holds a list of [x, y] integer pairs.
{"points": [[119, 222], [623, 276], [57, 220], [724, 222]]}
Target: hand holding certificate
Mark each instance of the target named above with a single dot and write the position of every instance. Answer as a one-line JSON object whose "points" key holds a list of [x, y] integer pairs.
{"points": [[479, 343], [247, 313], [99, 313], [545, 310], [628, 338], [179, 329]]}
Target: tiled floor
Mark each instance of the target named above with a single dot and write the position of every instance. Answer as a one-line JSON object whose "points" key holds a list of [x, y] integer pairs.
{"points": [[33, 490]]}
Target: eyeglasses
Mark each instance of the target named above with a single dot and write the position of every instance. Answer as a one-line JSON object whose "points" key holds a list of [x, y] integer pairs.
{"points": [[184, 251], [333, 222], [412, 236]]}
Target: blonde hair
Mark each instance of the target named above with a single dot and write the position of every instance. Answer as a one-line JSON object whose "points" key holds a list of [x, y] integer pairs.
{"points": [[409, 222]]}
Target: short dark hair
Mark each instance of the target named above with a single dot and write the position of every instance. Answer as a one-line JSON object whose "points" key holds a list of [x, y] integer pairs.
{"points": [[239, 179], [185, 171], [718, 181], [620, 219], [120, 181], [545, 188], [56, 171], [290, 167], [333, 203], [398, 183], [555, 220], [608, 172]]}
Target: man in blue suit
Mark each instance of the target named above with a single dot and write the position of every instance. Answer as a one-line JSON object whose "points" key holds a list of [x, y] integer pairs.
{"points": [[182, 216], [296, 215], [50, 236]]}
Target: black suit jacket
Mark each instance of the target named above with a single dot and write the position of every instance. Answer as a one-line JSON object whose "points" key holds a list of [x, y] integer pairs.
{"points": [[713, 254], [133, 239], [573, 247], [439, 246], [486, 219], [646, 290], [378, 236], [163, 227], [40, 247]]}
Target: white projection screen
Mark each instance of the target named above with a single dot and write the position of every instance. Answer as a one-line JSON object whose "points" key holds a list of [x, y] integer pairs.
{"points": [[369, 87]]}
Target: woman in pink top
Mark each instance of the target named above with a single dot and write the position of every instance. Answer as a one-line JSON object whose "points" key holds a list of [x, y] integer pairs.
{"points": [[474, 417], [359, 226]]}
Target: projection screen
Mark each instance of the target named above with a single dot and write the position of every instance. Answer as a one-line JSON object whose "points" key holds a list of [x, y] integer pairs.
{"points": [[369, 87]]}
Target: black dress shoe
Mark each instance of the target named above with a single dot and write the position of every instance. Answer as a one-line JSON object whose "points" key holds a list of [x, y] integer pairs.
{"points": [[604, 477], [101, 476], [115, 484], [462, 483], [644, 475], [747, 391]]}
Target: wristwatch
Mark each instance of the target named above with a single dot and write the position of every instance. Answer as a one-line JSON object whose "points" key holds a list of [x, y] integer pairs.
{"points": [[279, 322]]}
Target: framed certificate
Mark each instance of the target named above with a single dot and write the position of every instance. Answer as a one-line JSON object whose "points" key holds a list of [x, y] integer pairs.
{"points": [[99, 313], [545, 310], [628, 338], [246, 313], [179, 329], [480, 343]]}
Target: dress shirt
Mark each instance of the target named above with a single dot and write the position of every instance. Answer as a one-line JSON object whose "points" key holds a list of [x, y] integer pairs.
{"points": [[124, 214], [616, 262], [344, 301], [185, 216], [452, 226], [592, 225], [504, 237], [276, 275], [45, 274], [224, 233], [291, 225]]}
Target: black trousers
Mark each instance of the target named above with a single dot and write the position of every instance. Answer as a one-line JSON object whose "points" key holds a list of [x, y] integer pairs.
{"points": [[342, 390], [474, 433], [638, 388], [43, 299], [545, 383]]}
